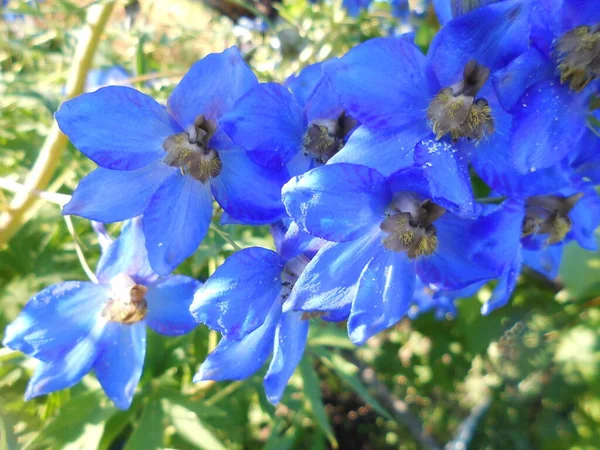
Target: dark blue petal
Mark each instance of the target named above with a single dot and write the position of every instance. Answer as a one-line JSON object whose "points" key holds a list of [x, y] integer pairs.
{"points": [[506, 285], [126, 255], [382, 82], [69, 368], [121, 353], [176, 221], [236, 299], [338, 202], [100, 195], [545, 261], [382, 150], [236, 360], [493, 36], [548, 123], [56, 319], [579, 12], [169, 301], [586, 160], [328, 283], [290, 340], [117, 127], [248, 192], [303, 84], [211, 87], [384, 294], [267, 122]]}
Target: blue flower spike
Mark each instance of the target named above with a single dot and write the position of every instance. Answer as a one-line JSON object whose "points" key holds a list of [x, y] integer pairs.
{"points": [[170, 162], [75, 326], [243, 300]]}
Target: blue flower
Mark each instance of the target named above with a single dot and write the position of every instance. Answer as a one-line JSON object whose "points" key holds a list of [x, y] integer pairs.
{"points": [[74, 327], [402, 97], [107, 76], [428, 298], [243, 301], [383, 233], [167, 163], [547, 88], [299, 129]]}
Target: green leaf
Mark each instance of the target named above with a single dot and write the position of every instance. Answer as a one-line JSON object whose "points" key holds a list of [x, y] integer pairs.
{"points": [[348, 373], [329, 335], [312, 390], [148, 434], [189, 426], [580, 271], [282, 441]]}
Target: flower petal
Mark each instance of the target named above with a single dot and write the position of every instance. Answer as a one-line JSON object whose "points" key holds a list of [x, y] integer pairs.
{"points": [[176, 221], [169, 301], [237, 360], [303, 84], [127, 255], [290, 340], [505, 287], [545, 261], [117, 127], [56, 319], [384, 295], [99, 195], [267, 122], [121, 353], [585, 217], [236, 189], [338, 202], [236, 299], [382, 82], [211, 87]]}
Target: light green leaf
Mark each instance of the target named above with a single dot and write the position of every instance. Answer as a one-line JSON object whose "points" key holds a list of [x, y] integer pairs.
{"points": [[148, 433], [580, 271], [329, 335]]}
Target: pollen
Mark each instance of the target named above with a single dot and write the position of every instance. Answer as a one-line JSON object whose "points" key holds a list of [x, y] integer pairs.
{"points": [[577, 54], [548, 215], [129, 310], [324, 138]]}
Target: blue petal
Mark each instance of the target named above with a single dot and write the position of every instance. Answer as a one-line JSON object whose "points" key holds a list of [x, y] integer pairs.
{"points": [[384, 294], [236, 360], [443, 11], [328, 283], [382, 150], [169, 301], [354, 7], [338, 202], [585, 217], [211, 87], [545, 261], [268, 123], [579, 12], [100, 195], [586, 161], [236, 299], [382, 82], [493, 36], [69, 368], [236, 189], [547, 125], [303, 84], [120, 361], [176, 221], [290, 340], [117, 127], [324, 103], [297, 241], [505, 287], [56, 319], [126, 255]]}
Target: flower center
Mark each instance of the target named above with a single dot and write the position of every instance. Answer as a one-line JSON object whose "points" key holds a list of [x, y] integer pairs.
{"points": [[455, 110], [410, 225], [127, 304], [577, 53], [325, 137], [549, 215], [290, 274], [190, 151]]}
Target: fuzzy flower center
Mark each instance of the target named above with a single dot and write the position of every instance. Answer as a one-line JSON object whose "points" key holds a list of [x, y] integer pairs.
{"points": [[325, 137], [455, 111], [577, 54], [127, 304], [410, 225], [190, 151], [549, 215]]}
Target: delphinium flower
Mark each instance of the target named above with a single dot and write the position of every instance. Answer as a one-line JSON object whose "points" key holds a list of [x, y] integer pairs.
{"points": [[76, 326], [167, 163], [428, 297], [383, 233], [243, 300], [547, 89], [298, 129], [106, 76], [402, 97]]}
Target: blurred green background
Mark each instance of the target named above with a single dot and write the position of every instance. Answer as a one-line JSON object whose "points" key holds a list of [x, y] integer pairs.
{"points": [[526, 377]]}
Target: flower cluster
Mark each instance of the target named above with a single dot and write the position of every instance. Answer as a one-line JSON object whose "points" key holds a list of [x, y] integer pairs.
{"points": [[364, 166]]}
